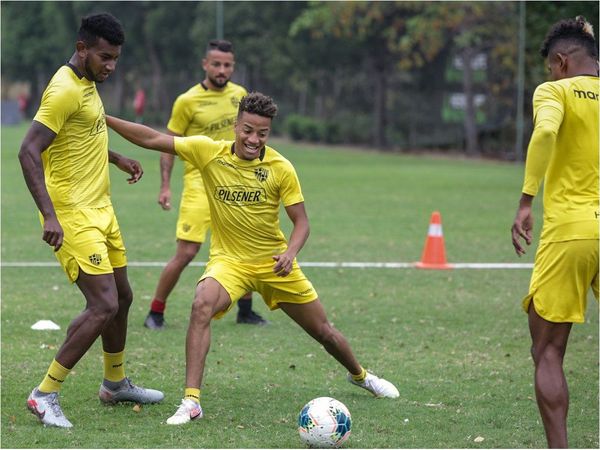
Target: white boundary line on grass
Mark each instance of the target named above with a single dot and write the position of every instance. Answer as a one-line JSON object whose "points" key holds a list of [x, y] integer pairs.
{"points": [[331, 265]]}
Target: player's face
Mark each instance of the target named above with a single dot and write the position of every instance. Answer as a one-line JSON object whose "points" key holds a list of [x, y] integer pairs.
{"points": [[251, 134], [101, 60], [218, 66]]}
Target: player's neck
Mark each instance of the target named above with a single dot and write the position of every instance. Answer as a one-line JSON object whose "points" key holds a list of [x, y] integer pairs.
{"points": [[206, 84]]}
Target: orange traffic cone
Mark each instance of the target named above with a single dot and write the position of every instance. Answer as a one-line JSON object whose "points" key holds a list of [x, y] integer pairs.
{"points": [[434, 253]]}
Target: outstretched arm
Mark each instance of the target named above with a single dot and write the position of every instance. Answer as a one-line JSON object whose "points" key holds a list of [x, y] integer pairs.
{"points": [[142, 135], [298, 237], [37, 140]]}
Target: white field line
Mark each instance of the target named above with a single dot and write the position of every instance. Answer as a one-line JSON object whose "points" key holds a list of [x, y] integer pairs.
{"points": [[330, 265]]}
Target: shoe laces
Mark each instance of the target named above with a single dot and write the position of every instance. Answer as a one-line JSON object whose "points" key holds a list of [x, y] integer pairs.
{"points": [[53, 405]]}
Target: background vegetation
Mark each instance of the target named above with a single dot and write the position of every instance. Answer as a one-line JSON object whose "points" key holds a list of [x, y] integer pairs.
{"points": [[393, 75]]}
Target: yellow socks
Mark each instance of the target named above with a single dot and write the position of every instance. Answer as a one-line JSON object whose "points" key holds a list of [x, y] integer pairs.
{"points": [[361, 376], [192, 394], [114, 366], [54, 378]]}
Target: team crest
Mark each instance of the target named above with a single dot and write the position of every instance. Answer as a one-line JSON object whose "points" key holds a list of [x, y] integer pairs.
{"points": [[261, 174], [99, 124], [235, 101], [95, 259], [186, 227]]}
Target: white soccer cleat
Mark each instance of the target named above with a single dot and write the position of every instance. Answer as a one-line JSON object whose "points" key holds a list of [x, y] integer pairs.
{"points": [[377, 386], [47, 409], [129, 392], [188, 410]]}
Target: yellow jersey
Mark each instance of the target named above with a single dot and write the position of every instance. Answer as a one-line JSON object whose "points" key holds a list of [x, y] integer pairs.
{"points": [[243, 196], [202, 111], [566, 112], [76, 163]]}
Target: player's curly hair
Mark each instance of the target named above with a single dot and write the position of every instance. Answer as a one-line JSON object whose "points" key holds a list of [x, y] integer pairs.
{"points": [[102, 25], [219, 44], [577, 31], [257, 103]]}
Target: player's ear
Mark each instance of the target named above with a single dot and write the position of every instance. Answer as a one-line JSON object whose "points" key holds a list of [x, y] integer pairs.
{"points": [[81, 49]]}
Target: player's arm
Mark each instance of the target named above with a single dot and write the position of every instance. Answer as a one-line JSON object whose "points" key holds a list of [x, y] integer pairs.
{"points": [[548, 118], [127, 165], [166, 167], [298, 237], [142, 135], [36, 141]]}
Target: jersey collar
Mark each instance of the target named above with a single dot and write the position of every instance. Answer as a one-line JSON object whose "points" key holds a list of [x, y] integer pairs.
{"points": [[75, 69]]}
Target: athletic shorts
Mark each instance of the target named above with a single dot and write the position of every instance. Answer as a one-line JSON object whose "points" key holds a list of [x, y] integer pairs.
{"points": [[92, 242], [238, 278], [562, 275], [193, 222]]}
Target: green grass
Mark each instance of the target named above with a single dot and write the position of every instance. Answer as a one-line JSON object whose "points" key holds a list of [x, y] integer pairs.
{"points": [[455, 342]]}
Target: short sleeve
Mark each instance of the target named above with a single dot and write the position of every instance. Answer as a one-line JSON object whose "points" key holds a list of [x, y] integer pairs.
{"points": [[179, 121], [197, 150], [58, 103], [290, 190]]}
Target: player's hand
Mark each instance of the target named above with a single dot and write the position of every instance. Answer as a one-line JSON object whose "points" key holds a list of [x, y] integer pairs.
{"points": [[132, 167], [283, 264], [522, 226], [53, 233], [164, 198]]}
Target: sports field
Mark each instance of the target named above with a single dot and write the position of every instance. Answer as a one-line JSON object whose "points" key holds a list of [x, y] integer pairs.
{"points": [[454, 342]]}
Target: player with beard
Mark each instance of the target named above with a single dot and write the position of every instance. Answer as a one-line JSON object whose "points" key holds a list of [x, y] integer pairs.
{"points": [[208, 108], [64, 158]]}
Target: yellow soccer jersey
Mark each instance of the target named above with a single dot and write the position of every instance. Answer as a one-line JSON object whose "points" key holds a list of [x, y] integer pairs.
{"points": [[568, 109], [76, 163], [243, 196], [202, 111]]}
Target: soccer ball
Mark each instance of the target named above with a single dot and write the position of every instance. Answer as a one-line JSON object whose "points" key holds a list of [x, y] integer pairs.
{"points": [[324, 422]]}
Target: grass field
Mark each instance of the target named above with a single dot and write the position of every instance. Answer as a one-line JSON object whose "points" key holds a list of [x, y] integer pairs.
{"points": [[455, 342]]}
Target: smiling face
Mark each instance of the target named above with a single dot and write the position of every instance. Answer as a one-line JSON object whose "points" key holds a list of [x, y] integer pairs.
{"points": [[99, 60], [251, 134], [218, 66]]}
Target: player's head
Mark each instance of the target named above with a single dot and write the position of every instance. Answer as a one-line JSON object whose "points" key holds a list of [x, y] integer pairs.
{"points": [[568, 46], [99, 42], [218, 63], [253, 125]]}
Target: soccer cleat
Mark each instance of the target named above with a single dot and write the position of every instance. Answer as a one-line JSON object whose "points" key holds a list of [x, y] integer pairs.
{"points": [[155, 321], [47, 409], [188, 410], [129, 392], [377, 386], [251, 318]]}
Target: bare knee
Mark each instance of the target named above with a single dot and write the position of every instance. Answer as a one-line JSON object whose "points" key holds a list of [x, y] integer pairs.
{"points": [[326, 334], [186, 252], [202, 312]]}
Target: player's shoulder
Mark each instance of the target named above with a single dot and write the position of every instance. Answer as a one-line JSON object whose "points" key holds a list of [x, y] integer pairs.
{"points": [[236, 89], [65, 78], [274, 158]]}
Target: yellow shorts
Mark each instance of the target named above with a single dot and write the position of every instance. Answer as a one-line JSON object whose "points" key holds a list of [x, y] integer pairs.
{"points": [[92, 242], [238, 278], [562, 275], [193, 223]]}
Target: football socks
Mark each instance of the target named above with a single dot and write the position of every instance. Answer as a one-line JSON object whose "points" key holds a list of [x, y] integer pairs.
{"points": [[192, 394], [114, 366], [54, 378], [360, 377]]}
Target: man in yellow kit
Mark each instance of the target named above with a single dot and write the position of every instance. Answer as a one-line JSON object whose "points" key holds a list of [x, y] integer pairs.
{"points": [[208, 108], [247, 181], [564, 150], [64, 158]]}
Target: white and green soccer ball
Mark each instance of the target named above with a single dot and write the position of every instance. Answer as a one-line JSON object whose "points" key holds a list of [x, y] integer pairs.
{"points": [[324, 422]]}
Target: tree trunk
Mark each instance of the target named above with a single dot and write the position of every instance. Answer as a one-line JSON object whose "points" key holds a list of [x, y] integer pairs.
{"points": [[470, 124]]}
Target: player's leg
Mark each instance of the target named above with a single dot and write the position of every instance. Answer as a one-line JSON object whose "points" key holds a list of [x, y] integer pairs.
{"points": [[116, 386], [246, 314], [549, 343], [210, 299], [101, 306], [185, 253], [312, 318]]}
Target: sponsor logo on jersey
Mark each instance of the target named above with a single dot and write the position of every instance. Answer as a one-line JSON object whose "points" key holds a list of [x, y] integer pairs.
{"points": [[221, 124], [261, 174], [585, 94], [235, 101], [99, 124], [240, 195], [95, 259], [225, 163]]}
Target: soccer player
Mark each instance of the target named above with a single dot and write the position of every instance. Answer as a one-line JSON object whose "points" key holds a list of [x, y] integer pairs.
{"points": [[246, 181], [64, 158], [564, 152], [208, 109]]}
